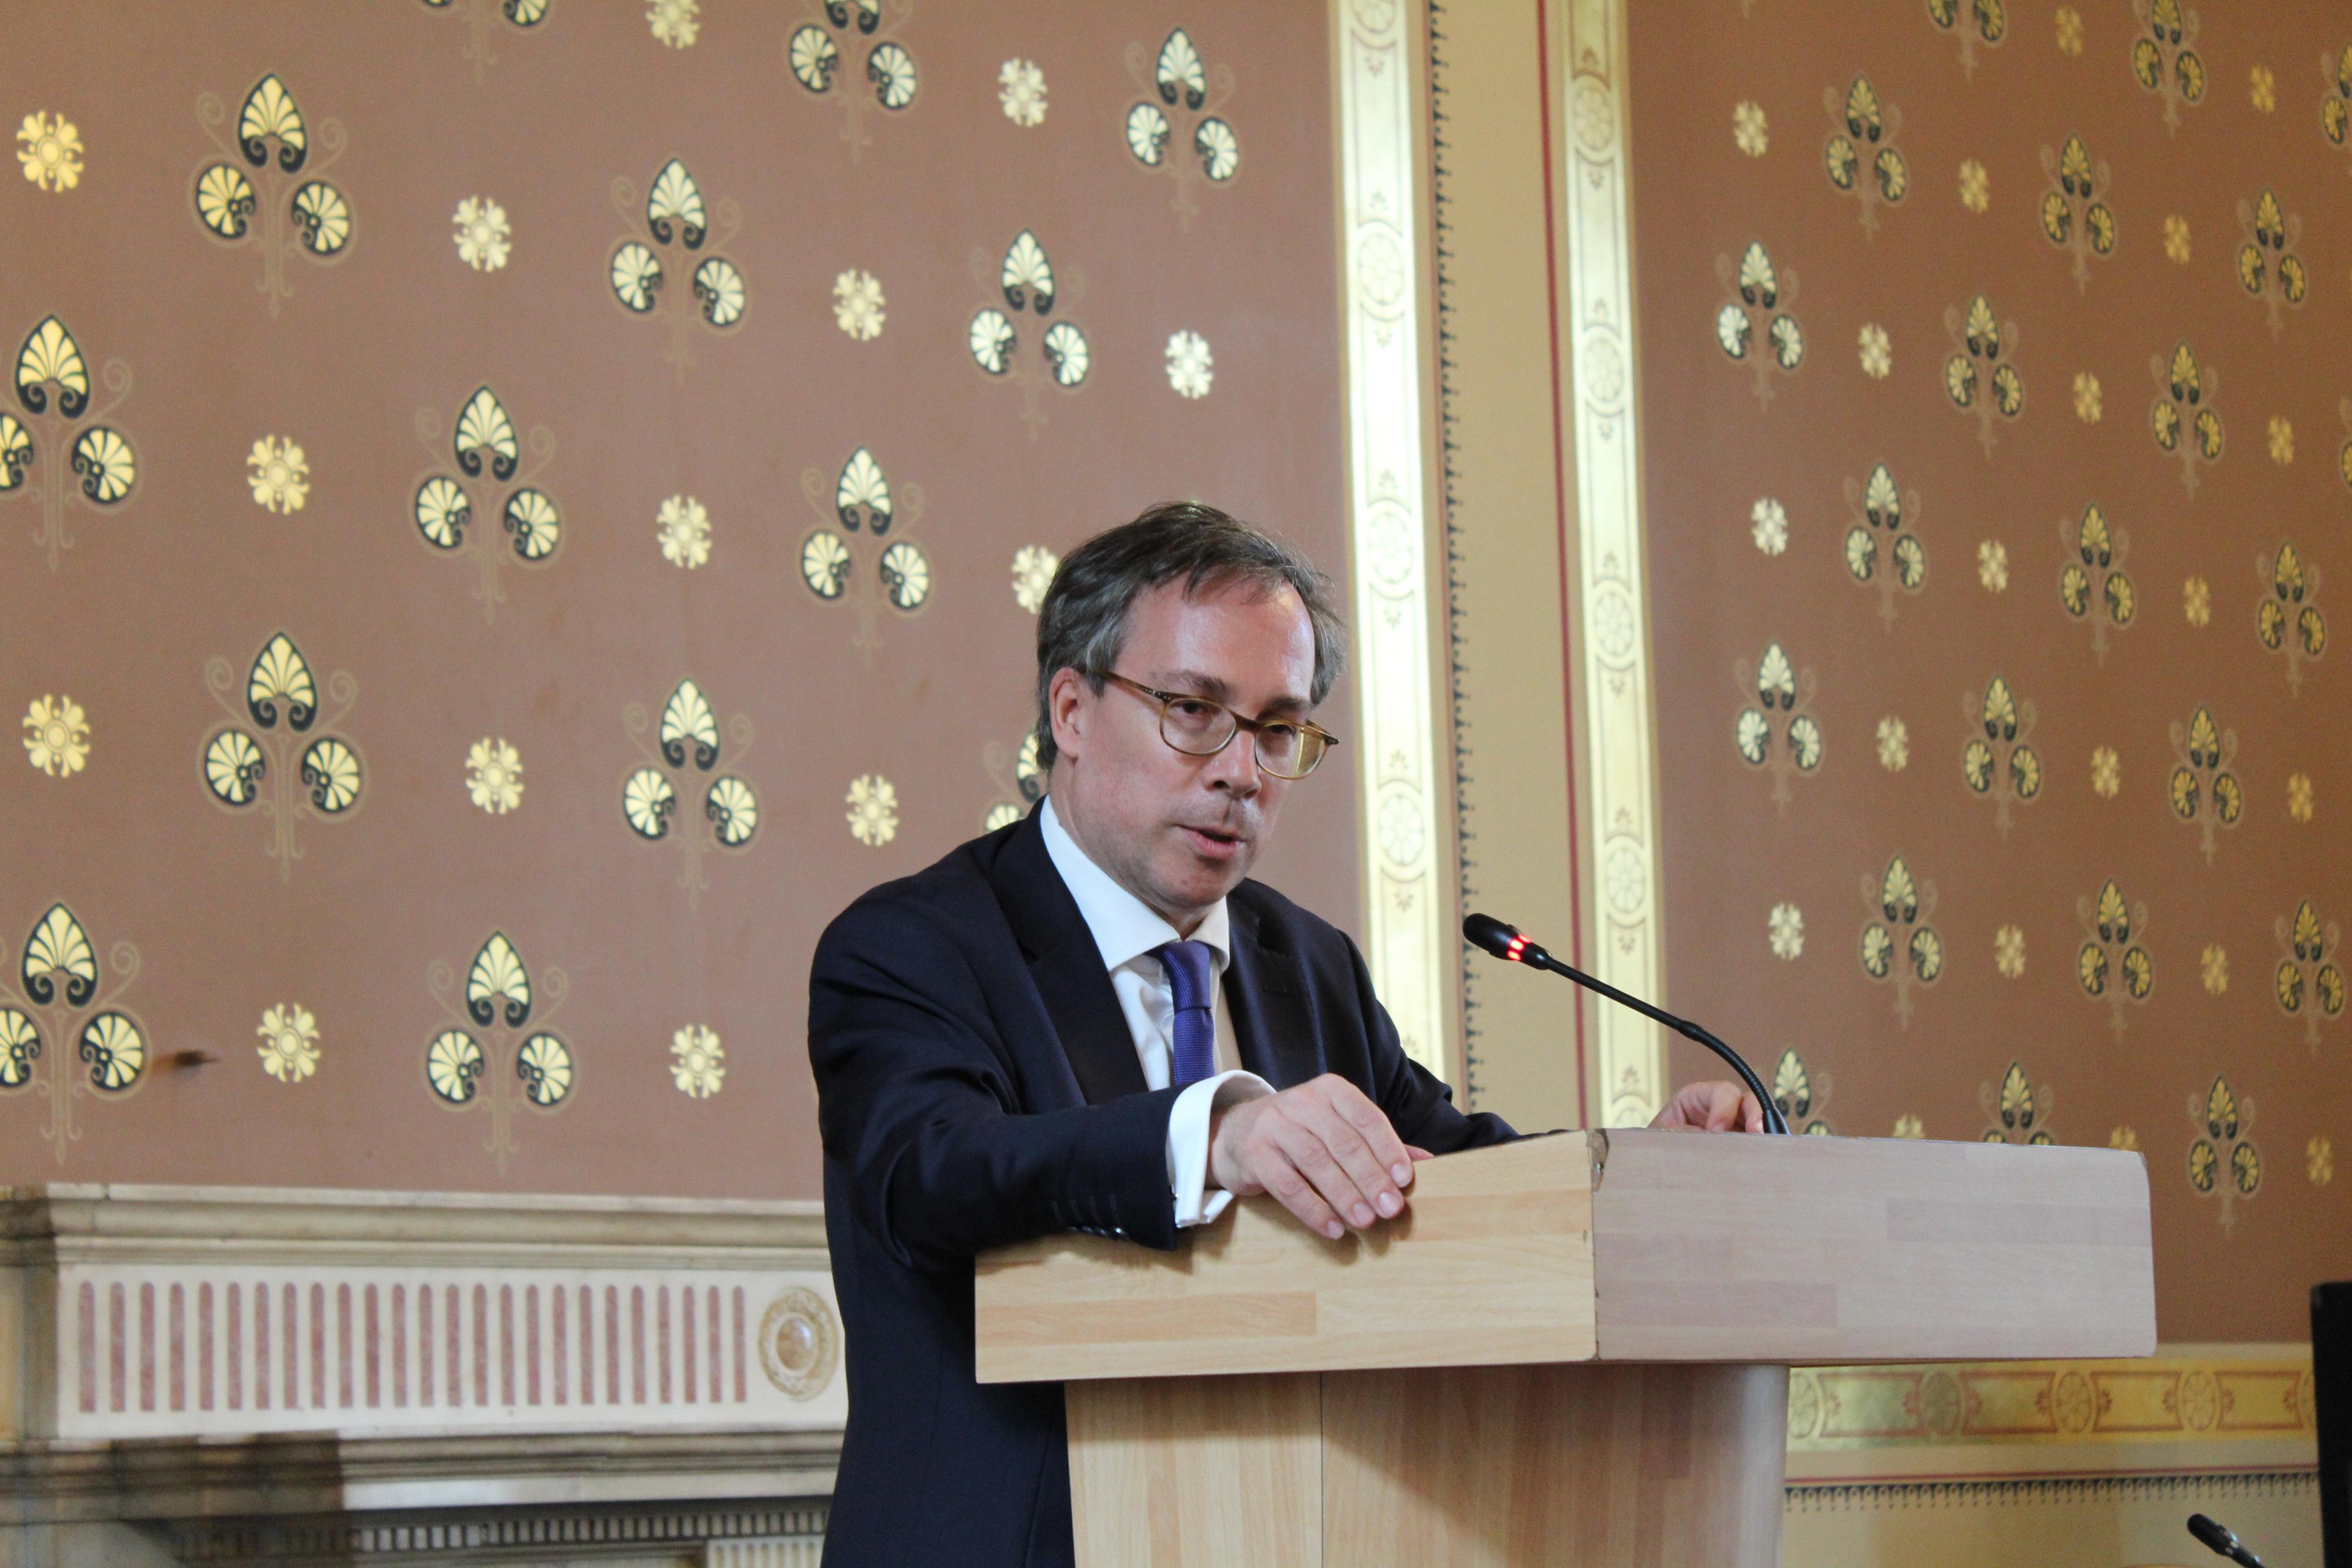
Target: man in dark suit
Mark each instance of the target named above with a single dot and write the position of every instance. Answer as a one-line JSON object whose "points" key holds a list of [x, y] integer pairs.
{"points": [[1090, 1020]]}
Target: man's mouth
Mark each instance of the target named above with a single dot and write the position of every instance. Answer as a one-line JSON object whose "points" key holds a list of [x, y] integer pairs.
{"points": [[1214, 842]]}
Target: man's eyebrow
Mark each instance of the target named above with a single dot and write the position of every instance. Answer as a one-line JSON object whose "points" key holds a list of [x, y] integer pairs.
{"points": [[1192, 682], [1289, 707]]}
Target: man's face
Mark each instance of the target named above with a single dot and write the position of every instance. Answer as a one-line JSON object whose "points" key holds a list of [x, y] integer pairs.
{"points": [[1180, 831]]}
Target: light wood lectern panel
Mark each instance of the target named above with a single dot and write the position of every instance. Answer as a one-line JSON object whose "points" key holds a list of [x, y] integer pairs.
{"points": [[1509, 1229], [1439, 1391]]}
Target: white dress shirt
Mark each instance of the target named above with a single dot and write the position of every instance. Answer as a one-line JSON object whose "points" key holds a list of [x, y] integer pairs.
{"points": [[1127, 931]]}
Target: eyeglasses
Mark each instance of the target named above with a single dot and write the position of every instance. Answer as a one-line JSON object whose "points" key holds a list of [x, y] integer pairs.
{"points": [[1200, 728]]}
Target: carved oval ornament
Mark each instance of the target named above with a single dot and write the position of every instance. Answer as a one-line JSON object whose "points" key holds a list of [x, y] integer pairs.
{"points": [[1605, 371], [800, 1343], [1628, 879], [1613, 631], [1402, 837], [1393, 562], [1595, 113], [1379, 270], [1804, 1405]]}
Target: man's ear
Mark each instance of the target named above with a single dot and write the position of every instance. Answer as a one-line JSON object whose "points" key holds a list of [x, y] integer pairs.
{"points": [[1066, 705]]}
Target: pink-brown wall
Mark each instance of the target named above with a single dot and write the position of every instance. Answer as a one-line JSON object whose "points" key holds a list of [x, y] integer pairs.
{"points": [[209, 925], [1757, 477]]}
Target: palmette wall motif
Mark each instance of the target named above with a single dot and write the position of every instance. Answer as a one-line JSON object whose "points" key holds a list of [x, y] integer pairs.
{"points": [[2054, 426], [1765, 760], [578, 518]]}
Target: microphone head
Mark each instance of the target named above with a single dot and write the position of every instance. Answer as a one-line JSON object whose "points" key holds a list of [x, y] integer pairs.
{"points": [[2212, 1534], [1485, 931]]}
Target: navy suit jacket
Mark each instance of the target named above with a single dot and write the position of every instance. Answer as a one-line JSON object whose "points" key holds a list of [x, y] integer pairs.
{"points": [[977, 1085]]}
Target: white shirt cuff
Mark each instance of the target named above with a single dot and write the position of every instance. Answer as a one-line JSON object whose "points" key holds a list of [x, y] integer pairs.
{"points": [[1188, 1142]]}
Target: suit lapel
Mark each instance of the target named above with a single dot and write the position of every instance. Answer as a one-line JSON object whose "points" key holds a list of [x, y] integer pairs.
{"points": [[1266, 995], [1067, 968]]}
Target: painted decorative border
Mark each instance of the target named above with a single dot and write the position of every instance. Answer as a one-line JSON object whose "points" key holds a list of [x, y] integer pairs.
{"points": [[1618, 793], [1865, 1497], [789, 1537], [1380, 142], [1835, 1409]]}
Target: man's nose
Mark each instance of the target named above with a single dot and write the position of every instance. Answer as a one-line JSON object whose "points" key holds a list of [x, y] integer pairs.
{"points": [[1235, 768]]}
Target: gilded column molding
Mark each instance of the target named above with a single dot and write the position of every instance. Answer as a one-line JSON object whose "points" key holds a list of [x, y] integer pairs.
{"points": [[1380, 144], [1619, 797]]}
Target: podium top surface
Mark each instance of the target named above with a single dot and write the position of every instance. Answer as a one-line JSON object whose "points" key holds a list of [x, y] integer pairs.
{"points": [[1618, 1246]]}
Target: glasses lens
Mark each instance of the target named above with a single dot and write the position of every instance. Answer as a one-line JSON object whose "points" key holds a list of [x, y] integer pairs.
{"points": [[1288, 752], [1195, 728]]}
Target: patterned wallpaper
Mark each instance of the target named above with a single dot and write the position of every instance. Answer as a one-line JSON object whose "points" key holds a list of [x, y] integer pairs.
{"points": [[515, 512], [2000, 451]]}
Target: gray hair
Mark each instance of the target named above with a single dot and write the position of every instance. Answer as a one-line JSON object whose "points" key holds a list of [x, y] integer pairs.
{"points": [[1082, 625]]}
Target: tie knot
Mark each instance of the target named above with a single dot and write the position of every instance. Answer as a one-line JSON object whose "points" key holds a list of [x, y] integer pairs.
{"points": [[1189, 967]]}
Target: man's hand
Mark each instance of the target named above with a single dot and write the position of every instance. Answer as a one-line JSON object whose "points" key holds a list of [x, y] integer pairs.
{"points": [[1711, 1108], [1324, 1151]]}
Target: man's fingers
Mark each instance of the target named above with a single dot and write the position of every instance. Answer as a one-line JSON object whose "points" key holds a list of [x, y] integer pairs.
{"points": [[1324, 1150], [1718, 1107], [1294, 1193], [1371, 1123], [1370, 1174], [1317, 1163]]}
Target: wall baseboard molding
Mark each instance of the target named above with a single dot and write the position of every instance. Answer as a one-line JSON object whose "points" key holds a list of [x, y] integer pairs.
{"points": [[281, 1375], [61, 1482], [161, 1312], [746, 1535]]}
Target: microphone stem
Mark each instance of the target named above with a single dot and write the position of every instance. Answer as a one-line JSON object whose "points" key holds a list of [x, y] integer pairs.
{"points": [[1773, 1120]]}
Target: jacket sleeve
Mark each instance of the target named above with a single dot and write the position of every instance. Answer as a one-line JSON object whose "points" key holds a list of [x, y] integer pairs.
{"points": [[1419, 1104], [918, 1103]]}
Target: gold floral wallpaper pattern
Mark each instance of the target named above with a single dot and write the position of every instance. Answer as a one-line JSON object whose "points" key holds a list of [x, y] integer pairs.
{"points": [[2000, 440], [577, 520]]}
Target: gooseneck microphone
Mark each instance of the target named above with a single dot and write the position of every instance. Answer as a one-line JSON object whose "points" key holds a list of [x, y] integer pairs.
{"points": [[1506, 942], [2212, 1534]]}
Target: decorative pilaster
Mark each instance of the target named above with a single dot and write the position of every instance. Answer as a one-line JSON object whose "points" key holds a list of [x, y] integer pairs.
{"points": [[1619, 797], [1406, 908]]}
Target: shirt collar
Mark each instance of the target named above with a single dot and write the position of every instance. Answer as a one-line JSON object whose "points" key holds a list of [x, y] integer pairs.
{"points": [[1124, 927]]}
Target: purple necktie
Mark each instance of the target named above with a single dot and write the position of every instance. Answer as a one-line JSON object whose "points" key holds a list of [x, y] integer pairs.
{"points": [[1190, 970]]}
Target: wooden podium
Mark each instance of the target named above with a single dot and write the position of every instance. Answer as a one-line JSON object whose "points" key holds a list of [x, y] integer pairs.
{"points": [[1572, 1349]]}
